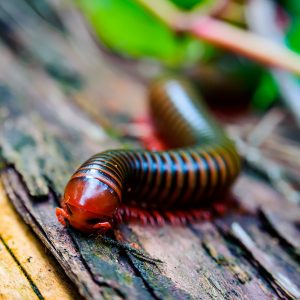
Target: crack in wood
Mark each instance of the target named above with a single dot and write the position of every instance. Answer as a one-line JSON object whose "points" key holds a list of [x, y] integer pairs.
{"points": [[31, 282], [283, 285], [46, 135]]}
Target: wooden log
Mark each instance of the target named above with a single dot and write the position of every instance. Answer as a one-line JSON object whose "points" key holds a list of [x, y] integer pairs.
{"points": [[14, 284], [51, 124], [28, 269]]}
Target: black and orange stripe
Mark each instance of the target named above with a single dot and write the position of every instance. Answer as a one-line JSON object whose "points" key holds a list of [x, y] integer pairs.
{"points": [[202, 165]]}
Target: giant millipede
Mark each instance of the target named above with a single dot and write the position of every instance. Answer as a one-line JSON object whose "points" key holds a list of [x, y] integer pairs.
{"points": [[201, 166]]}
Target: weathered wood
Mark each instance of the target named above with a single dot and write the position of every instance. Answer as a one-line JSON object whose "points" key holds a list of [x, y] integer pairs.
{"points": [[283, 227], [13, 283], [187, 263], [276, 273], [40, 268], [52, 122], [57, 239]]}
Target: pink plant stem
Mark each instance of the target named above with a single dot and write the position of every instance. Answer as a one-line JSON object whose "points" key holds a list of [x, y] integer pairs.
{"points": [[224, 35], [244, 42]]}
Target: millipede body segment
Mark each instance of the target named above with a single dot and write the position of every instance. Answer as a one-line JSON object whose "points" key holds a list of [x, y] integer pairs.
{"points": [[201, 166]]}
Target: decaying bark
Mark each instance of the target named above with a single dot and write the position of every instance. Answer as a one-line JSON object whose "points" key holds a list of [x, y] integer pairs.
{"points": [[57, 89]]}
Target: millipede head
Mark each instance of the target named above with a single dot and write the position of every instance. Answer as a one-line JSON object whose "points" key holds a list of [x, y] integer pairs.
{"points": [[88, 205]]}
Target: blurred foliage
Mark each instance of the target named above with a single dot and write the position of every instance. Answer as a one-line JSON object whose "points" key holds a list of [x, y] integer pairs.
{"points": [[292, 6], [266, 92], [228, 79], [187, 4], [127, 28], [293, 34]]}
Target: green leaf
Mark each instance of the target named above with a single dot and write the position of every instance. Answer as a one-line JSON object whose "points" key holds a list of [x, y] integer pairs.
{"points": [[293, 35], [126, 27], [266, 93], [187, 4], [293, 7]]}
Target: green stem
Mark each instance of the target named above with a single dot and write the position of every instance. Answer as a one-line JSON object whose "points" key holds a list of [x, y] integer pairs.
{"points": [[224, 35], [165, 11]]}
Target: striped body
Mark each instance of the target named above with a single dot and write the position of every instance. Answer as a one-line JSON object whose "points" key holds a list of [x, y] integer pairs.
{"points": [[180, 178], [202, 165]]}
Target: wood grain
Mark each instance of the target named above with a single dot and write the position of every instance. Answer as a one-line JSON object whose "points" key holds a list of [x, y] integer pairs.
{"points": [[13, 282], [35, 260], [60, 95]]}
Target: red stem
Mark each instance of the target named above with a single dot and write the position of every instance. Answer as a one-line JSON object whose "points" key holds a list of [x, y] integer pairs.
{"points": [[245, 43]]}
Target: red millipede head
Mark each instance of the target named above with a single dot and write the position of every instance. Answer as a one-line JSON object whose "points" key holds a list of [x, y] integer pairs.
{"points": [[88, 205]]}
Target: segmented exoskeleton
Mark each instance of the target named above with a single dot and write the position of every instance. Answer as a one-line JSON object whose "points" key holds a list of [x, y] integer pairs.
{"points": [[202, 164]]}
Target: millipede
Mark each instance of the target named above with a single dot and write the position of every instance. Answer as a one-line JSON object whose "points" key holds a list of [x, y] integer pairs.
{"points": [[200, 166]]}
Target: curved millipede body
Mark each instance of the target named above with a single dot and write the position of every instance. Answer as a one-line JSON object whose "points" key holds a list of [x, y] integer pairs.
{"points": [[202, 165]]}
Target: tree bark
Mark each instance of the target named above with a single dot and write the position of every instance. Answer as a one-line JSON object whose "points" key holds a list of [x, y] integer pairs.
{"points": [[52, 121]]}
